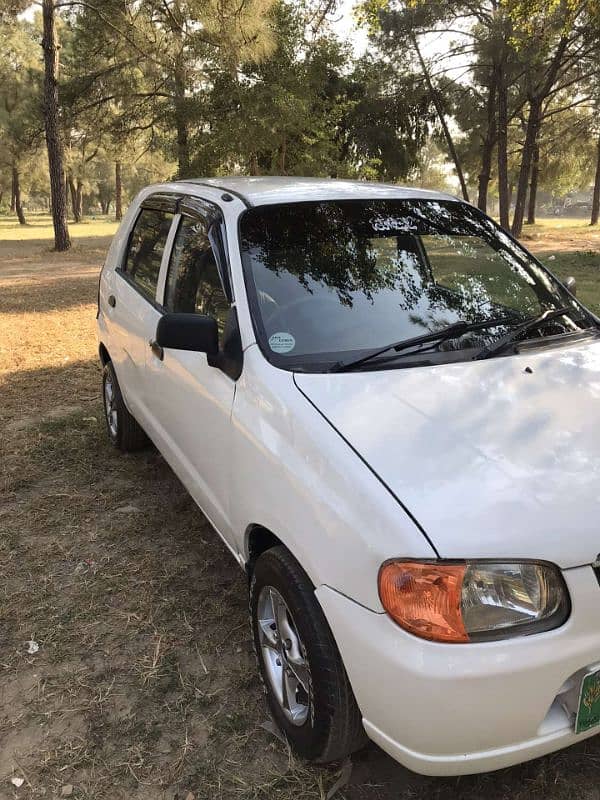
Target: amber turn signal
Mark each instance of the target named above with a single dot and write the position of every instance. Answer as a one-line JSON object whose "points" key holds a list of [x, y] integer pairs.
{"points": [[425, 599]]}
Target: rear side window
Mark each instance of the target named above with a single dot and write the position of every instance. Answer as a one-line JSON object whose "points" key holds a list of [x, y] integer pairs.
{"points": [[193, 282], [146, 247]]}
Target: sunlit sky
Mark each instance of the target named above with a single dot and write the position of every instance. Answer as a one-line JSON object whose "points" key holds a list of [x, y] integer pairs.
{"points": [[346, 29]]}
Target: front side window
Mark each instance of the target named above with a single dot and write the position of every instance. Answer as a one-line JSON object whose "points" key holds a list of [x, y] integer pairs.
{"points": [[334, 280], [193, 281], [146, 248]]}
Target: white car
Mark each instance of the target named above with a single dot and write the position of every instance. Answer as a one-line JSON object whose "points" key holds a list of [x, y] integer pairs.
{"points": [[390, 412]]}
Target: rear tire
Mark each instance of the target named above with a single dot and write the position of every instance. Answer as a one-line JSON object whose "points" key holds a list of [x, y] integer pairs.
{"points": [[124, 431], [303, 676]]}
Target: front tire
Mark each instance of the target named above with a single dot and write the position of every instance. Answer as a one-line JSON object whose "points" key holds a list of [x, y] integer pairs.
{"points": [[307, 688], [123, 430]]}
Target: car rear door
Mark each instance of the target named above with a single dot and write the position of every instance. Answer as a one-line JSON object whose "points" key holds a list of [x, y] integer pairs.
{"points": [[191, 401], [133, 311]]}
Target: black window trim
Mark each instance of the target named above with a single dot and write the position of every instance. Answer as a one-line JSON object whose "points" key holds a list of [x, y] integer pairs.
{"points": [[192, 206], [162, 201], [146, 205], [214, 224], [198, 208]]}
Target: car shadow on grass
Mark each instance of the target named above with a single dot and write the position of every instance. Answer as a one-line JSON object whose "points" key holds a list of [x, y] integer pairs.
{"points": [[568, 774], [47, 293]]}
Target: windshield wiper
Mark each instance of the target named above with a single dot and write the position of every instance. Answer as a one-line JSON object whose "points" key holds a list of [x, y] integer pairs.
{"points": [[450, 332], [511, 337]]}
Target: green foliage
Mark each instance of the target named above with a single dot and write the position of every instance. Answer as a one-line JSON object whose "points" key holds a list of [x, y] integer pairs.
{"points": [[9, 9], [179, 87], [540, 19], [20, 130], [309, 110]]}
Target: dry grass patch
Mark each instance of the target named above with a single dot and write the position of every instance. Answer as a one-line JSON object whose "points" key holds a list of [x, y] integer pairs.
{"points": [[39, 228]]}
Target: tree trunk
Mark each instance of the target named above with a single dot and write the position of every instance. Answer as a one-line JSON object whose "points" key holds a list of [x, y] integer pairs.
{"points": [[488, 145], [503, 190], [534, 122], [16, 181], [596, 197], [52, 127], [181, 122], [531, 136], [12, 194], [282, 155], [118, 192], [435, 98], [79, 200], [74, 200], [533, 186]]}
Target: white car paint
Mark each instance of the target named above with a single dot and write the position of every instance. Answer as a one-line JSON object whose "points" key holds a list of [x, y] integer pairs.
{"points": [[507, 447], [348, 470]]}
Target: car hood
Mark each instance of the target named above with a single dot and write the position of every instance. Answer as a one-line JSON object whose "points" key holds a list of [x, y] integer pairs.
{"points": [[497, 458]]}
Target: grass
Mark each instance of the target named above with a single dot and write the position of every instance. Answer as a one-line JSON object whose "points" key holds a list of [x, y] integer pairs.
{"points": [[569, 247], [144, 685], [39, 226], [560, 224]]}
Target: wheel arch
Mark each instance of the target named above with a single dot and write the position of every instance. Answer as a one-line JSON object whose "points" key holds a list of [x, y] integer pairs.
{"points": [[260, 538], [104, 354], [257, 540]]}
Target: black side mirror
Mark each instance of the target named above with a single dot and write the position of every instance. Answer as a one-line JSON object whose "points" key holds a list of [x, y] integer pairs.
{"points": [[571, 285], [193, 332]]}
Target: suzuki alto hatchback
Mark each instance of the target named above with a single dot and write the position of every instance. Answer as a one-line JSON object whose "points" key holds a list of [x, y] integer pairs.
{"points": [[390, 412]]}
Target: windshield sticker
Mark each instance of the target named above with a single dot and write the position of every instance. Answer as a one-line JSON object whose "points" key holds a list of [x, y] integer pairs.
{"points": [[282, 342], [393, 224]]}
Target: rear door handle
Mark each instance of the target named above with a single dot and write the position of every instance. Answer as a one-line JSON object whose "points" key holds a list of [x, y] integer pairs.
{"points": [[112, 301], [157, 349]]}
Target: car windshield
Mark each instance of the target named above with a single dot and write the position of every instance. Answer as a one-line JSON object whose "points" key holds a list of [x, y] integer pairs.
{"points": [[332, 281]]}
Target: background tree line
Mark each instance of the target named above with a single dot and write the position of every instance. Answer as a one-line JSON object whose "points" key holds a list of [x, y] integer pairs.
{"points": [[500, 98]]}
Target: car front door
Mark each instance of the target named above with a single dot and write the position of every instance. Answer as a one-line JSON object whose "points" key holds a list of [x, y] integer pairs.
{"points": [[190, 400], [132, 307]]}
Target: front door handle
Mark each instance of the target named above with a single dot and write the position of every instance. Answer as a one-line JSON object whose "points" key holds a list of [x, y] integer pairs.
{"points": [[157, 349], [112, 301]]}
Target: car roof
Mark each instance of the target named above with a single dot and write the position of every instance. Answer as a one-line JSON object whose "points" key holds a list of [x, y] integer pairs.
{"points": [[256, 191]]}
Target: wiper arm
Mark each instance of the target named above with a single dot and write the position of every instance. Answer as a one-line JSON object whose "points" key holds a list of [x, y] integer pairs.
{"points": [[531, 324], [451, 331]]}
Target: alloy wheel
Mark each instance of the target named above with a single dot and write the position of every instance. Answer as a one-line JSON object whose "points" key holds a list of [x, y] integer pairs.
{"points": [[110, 406], [284, 656]]}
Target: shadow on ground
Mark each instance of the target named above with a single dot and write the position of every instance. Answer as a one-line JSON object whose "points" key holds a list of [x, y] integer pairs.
{"points": [[48, 293]]}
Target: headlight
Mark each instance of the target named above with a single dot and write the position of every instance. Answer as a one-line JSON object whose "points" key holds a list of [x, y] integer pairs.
{"points": [[473, 601]]}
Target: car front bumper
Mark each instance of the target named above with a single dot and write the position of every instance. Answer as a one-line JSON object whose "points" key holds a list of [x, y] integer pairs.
{"points": [[452, 709]]}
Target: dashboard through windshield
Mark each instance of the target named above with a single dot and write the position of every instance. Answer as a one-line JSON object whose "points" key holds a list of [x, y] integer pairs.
{"points": [[333, 281]]}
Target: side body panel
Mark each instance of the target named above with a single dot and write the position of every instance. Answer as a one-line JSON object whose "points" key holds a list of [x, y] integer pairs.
{"points": [[189, 420], [293, 474], [126, 319], [133, 323]]}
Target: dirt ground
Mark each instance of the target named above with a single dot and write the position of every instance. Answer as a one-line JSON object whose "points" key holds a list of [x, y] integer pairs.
{"points": [[126, 668]]}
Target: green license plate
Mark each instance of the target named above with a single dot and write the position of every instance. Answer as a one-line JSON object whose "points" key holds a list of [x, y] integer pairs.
{"points": [[588, 715]]}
